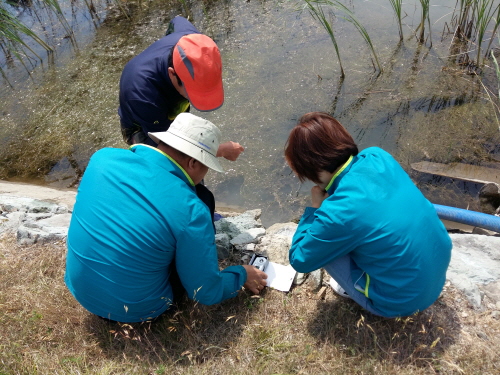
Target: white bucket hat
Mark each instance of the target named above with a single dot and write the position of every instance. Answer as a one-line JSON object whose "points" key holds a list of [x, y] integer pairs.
{"points": [[195, 137]]}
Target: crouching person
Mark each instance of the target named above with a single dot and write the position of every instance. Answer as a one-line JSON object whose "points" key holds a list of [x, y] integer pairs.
{"points": [[368, 225], [139, 234]]}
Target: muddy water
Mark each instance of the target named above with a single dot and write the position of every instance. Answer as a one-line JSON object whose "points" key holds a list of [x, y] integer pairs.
{"points": [[278, 64]]}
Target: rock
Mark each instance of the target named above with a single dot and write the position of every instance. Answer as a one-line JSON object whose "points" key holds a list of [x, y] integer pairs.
{"points": [[10, 222], [11, 203], [475, 262], [282, 229], [489, 197], [223, 245], [277, 241], [235, 225], [492, 290], [61, 197], [299, 278], [249, 247], [248, 236], [52, 228], [315, 280]]}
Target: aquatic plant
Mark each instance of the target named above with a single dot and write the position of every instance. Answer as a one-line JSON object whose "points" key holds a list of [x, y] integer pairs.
{"points": [[318, 13], [424, 17], [484, 14], [496, 20], [396, 6], [472, 23], [13, 33], [315, 8], [10, 36]]}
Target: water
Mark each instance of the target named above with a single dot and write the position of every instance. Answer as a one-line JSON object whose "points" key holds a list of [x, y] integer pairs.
{"points": [[278, 65]]}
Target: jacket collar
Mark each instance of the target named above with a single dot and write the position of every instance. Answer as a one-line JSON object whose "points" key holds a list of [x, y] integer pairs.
{"points": [[334, 182], [163, 160]]}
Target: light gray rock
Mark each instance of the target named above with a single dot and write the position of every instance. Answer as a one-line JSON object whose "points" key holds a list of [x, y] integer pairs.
{"points": [[299, 278], [282, 229], [315, 279], [52, 228], [235, 225], [475, 262], [11, 203], [248, 236], [492, 290], [10, 222], [249, 247], [277, 241]]}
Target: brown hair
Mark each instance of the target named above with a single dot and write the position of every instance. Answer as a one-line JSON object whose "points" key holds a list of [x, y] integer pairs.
{"points": [[318, 142]]}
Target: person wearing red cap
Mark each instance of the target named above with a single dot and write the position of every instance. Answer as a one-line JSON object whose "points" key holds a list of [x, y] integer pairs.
{"points": [[181, 69]]}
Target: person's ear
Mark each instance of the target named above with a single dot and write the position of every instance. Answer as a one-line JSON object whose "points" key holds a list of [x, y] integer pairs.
{"points": [[171, 73], [174, 77], [192, 163]]}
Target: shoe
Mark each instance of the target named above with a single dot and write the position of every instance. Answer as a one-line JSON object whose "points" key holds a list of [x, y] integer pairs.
{"points": [[338, 289]]}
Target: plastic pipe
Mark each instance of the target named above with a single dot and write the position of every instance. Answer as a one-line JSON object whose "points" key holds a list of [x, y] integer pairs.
{"points": [[476, 219]]}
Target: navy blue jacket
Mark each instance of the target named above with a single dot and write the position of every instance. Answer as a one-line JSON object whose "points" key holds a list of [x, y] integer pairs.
{"points": [[147, 96]]}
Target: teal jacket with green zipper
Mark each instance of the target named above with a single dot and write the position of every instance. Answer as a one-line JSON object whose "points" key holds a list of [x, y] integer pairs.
{"points": [[137, 213], [376, 215]]}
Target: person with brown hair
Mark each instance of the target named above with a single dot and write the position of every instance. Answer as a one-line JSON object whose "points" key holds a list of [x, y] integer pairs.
{"points": [[368, 225]]}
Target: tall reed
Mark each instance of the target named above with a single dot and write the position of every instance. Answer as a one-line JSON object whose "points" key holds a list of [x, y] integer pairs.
{"points": [[396, 6], [315, 7], [10, 34], [484, 15], [496, 23], [465, 6], [425, 4], [318, 13]]}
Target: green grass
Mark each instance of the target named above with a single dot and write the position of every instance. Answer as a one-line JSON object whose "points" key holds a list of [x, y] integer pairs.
{"points": [[424, 4], [397, 7]]}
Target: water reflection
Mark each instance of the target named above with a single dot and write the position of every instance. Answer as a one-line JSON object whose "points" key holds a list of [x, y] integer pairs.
{"points": [[278, 65]]}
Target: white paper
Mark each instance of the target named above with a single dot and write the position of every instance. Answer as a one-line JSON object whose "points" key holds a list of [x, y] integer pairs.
{"points": [[280, 277]]}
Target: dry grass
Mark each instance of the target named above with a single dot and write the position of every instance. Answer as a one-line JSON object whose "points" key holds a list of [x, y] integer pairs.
{"points": [[43, 330]]}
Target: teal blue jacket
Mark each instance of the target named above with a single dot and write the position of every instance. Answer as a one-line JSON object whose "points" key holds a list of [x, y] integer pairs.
{"points": [[376, 215], [136, 212]]}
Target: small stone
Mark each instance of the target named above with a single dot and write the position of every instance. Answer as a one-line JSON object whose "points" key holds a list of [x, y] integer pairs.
{"points": [[245, 259], [495, 314]]}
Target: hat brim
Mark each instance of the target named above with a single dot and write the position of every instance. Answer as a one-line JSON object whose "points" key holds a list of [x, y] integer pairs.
{"points": [[205, 101], [188, 148]]}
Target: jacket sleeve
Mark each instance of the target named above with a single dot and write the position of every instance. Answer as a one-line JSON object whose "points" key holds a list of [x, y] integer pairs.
{"points": [[322, 236], [197, 264]]}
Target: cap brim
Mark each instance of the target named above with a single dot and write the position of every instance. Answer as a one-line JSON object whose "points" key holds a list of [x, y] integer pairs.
{"points": [[188, 148], [205, 101]]}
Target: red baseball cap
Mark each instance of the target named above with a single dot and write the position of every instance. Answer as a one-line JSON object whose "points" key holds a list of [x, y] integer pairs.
{"points": [[198, 64]]}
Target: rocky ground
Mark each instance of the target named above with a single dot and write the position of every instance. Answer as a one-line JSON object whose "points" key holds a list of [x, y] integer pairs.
{"points": [[36, 214]]}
